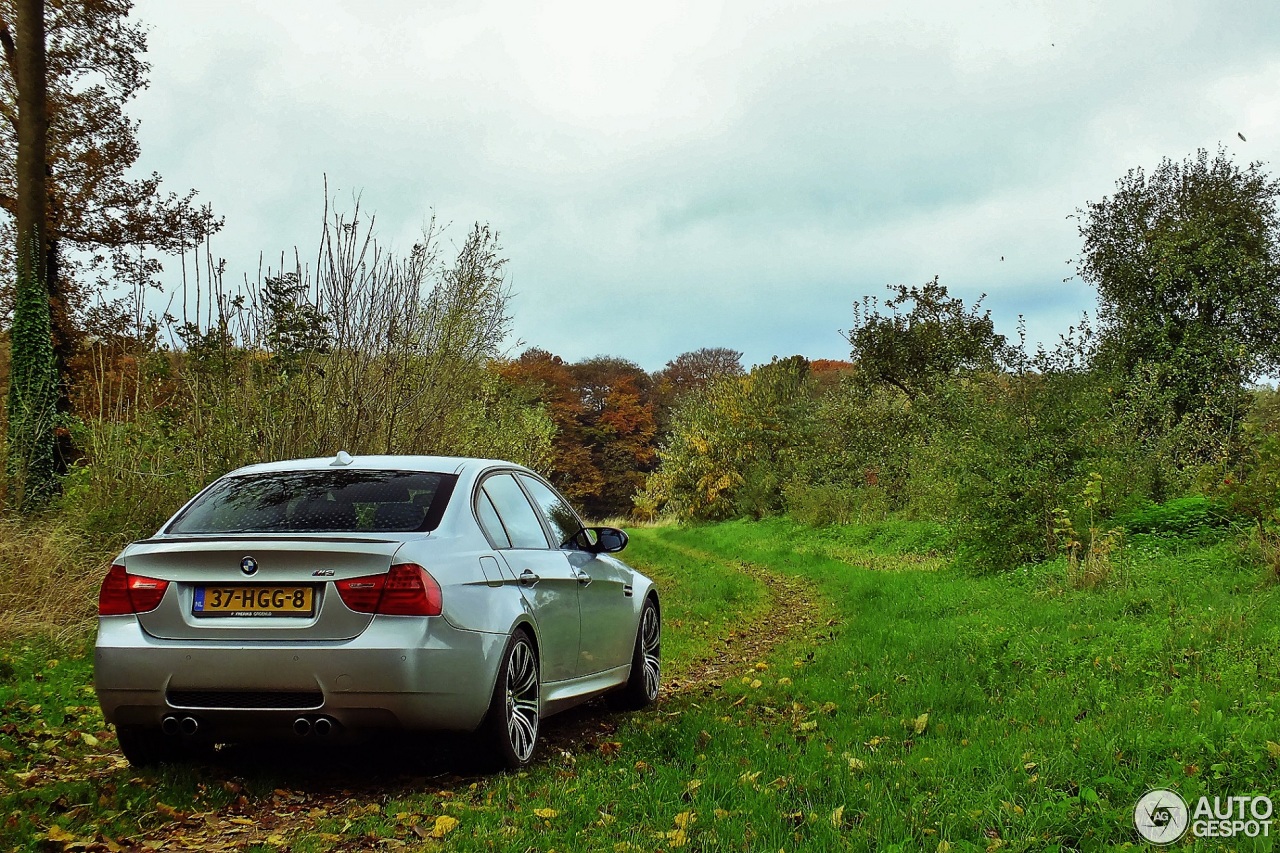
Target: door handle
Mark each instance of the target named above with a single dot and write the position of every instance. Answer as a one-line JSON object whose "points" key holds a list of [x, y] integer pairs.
{"points": [[584, 578], [528, 578]]}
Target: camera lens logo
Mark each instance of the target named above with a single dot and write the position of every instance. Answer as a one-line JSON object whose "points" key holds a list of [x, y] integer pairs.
{"points": [[1161, 816]]}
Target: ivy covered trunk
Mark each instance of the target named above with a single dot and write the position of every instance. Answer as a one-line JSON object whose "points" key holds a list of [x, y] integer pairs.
{"points": [[32, 398]]}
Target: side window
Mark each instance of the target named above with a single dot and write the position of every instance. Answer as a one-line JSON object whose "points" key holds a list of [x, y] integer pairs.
{"points": [[489, 521], [518, 518], [564, 521]]}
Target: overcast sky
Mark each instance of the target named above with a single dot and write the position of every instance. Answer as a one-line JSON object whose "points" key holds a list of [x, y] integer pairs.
{"points": [[675, 174]]}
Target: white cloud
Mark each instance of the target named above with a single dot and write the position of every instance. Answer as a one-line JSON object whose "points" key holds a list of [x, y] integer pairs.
{"points": [[679, 174]]}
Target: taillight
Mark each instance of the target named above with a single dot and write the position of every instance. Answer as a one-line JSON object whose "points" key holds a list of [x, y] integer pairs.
{"points": [[113, 598], [406, 590], [123, 593], [361, 594]]}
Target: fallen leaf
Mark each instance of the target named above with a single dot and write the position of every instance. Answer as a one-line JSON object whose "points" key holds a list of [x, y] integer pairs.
{"points": [[920, 723], [837, 817], [1273, 749], [169, 811], [57, 833], [684, 820], [446, 824], [546, 813], [89, 740]]}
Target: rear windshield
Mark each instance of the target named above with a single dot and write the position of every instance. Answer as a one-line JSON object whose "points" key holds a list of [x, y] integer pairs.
{"points": [[323, 501]]}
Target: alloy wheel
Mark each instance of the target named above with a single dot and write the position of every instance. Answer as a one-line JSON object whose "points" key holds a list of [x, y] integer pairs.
{"points": [[522, 700], [651, 647]]}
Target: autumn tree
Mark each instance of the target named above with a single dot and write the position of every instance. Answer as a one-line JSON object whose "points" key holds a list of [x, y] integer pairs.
{"points": [[694, 369], [733, 445], [30, 409], [98, 219], [690, 371], [603, 411], [619, 428], [546, 378]]}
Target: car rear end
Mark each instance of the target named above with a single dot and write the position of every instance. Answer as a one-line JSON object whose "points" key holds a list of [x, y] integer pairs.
{"points": [[304, 610]]}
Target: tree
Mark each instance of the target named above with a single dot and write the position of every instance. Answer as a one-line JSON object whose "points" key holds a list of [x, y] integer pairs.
{"points": [[547, 379], [32, 383], [97, 219], [1185, 262], [618, 426], [295, 326], [603, 412], [937, 340], [733, 445], [696, 368]]}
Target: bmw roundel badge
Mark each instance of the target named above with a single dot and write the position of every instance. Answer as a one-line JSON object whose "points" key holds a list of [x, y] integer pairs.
{"points": [[249, 566]]}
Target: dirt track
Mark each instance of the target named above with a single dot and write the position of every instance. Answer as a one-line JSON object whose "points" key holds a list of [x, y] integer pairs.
{"points": [[345, 781]]}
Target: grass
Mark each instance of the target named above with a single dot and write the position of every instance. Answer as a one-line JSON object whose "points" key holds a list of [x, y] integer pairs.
{"points": [[940, 712], [48, 581]]}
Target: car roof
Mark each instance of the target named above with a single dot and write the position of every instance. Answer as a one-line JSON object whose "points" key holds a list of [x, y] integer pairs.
{"points": [[440, 464]]}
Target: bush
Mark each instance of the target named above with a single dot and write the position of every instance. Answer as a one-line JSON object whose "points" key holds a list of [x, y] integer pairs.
{"points": [[824, 503], [1193, 516]]}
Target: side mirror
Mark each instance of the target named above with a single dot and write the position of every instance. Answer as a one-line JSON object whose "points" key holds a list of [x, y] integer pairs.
{"points": [[601, 540]]}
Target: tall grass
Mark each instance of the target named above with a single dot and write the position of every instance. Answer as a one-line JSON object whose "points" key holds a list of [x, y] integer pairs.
{"points": [[49, 580], [366, 350]]}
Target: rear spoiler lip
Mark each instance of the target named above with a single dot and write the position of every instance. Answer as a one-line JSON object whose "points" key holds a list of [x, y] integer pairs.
{"points": [[164, 539]]}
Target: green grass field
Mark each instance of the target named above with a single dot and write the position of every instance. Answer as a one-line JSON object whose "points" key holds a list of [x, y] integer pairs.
{"points": [[920, 708]]}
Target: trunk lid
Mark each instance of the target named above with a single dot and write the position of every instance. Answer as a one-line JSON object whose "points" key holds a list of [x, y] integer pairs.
{"points": [[206, 571]]}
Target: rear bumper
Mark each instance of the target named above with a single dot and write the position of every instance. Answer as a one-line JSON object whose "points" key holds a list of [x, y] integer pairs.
{"points": [[431, 676]]}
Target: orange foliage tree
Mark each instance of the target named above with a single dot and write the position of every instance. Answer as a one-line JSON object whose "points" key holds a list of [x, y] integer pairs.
{"points": [[603, 410]]}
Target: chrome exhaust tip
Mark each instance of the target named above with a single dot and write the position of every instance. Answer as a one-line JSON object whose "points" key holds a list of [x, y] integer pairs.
{"points": [[302, 727], [169, 725], [189, 726], [323, 727]]}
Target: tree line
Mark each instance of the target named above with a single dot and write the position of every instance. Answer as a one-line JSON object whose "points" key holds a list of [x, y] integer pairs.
{"points": [[1027, 453], [115, 412]]}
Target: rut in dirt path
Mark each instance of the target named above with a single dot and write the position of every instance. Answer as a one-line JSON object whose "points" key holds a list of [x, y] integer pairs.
{"points": [[794, 609], [347, 783]]}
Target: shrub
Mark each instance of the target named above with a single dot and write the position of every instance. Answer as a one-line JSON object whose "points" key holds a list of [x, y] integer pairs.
{"points": [[1192, 516]]}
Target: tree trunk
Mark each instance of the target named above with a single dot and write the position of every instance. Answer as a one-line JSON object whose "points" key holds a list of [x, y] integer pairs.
{"points": [[33, 377]]}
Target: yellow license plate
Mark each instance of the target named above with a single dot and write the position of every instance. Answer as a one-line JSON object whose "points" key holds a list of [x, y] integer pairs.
{"points": [[248, 600]]}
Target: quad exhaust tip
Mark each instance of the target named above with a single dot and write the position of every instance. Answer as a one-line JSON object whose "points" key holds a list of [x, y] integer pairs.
{"points": [[173, 725], [318, 726]]}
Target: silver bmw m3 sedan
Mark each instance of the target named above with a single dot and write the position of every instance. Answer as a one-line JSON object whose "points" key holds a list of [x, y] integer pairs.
{"points": [[321, 598]]}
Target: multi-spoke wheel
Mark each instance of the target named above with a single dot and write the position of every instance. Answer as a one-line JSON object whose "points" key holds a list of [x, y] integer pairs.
{"points": [[641, 688], [511, 728]]}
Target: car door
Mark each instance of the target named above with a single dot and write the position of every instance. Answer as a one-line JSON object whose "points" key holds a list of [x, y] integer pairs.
{"points": [[604, 586], [547, 581]]}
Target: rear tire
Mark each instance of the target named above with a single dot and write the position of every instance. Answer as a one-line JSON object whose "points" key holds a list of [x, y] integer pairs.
{"points": [[641, 689], [509, 733]]}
